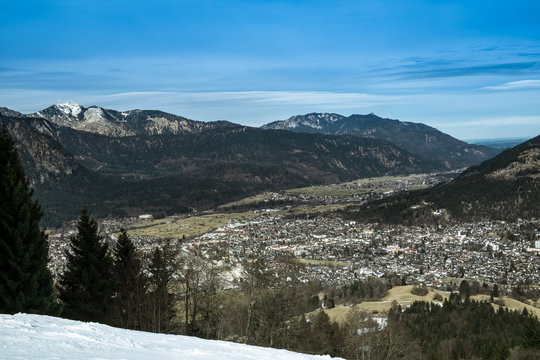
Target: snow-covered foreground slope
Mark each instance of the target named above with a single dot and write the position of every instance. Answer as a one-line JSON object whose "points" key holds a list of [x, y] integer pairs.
{"points": [[24, 336]]}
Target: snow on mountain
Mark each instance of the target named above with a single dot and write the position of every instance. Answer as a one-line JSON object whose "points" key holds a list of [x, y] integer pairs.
{"points": [[70, 108], [114, 123], [318, 121], [94, 114], [24, 336]]}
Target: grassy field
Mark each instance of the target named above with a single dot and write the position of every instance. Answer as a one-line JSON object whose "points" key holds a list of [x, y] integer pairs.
{"points": [[246, 201], [327, 190], [314, 262], [355, 187], [172, 227], [402, 295], [316, 209], [511, 304]]}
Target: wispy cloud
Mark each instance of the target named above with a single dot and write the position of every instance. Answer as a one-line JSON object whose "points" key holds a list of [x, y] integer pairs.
{"points": [[263, 98], [501, 121], [512, 85], [471, 70]]}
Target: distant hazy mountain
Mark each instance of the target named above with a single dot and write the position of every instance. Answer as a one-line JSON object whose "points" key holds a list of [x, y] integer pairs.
{"points": [[416, 138], [504, 187], [102, 121], [499, 143], [201, 166]]}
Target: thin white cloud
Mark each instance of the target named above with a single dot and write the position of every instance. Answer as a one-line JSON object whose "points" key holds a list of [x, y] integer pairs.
{"points": [[512, 85], [267, 98], [502, 121]]}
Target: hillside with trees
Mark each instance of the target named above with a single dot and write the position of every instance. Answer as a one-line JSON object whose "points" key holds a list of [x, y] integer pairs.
{"points": [[506, 187]]}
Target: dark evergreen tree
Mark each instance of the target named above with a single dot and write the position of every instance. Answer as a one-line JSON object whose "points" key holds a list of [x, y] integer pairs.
{"points": [[531, 331], [465, 290], [87, 285], [26, 284], [495, 290], [130, 284], [160, 309]]}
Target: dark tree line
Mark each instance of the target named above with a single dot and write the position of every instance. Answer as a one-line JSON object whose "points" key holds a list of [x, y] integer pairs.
{"points": [[116, 287], [462, 329]]}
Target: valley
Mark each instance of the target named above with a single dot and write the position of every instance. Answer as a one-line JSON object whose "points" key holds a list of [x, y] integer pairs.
{"points": [[293, 256], [342, 206], [306, 224]]}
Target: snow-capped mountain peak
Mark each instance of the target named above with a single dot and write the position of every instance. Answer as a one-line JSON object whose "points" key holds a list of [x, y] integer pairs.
{"points": [[70, 108]]}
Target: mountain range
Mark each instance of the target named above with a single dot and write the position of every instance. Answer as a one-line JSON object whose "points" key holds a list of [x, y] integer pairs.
{"points": [[416, 138], [127, 163]]}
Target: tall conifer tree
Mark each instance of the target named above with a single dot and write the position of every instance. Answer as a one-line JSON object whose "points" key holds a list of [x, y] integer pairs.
{"points": [[130, 286], [87, 285], [160, 300], [25, 282]]}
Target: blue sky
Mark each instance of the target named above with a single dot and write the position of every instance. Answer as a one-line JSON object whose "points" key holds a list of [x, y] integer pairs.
{"points": [[469, 68]]}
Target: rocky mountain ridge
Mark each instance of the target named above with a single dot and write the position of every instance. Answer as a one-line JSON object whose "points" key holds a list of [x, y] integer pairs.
{"points": [[416, 138], [43, 157], [114, 123]]}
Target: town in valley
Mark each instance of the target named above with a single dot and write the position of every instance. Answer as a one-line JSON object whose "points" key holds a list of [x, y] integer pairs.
{"points": [[306, 227]]}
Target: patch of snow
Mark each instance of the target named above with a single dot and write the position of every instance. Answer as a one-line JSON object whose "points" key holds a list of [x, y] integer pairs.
{"points": [[70, 108], [93, 114], [381, 322], [292, 125], [332, 117], [25, 336], [310, 124]]}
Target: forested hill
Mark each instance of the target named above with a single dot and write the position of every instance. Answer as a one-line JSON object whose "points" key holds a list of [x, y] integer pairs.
{"points": [[504, 187], [313, 157]]}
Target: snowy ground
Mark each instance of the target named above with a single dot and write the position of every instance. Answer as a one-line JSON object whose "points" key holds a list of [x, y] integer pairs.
{"points": [[24, 336]]}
